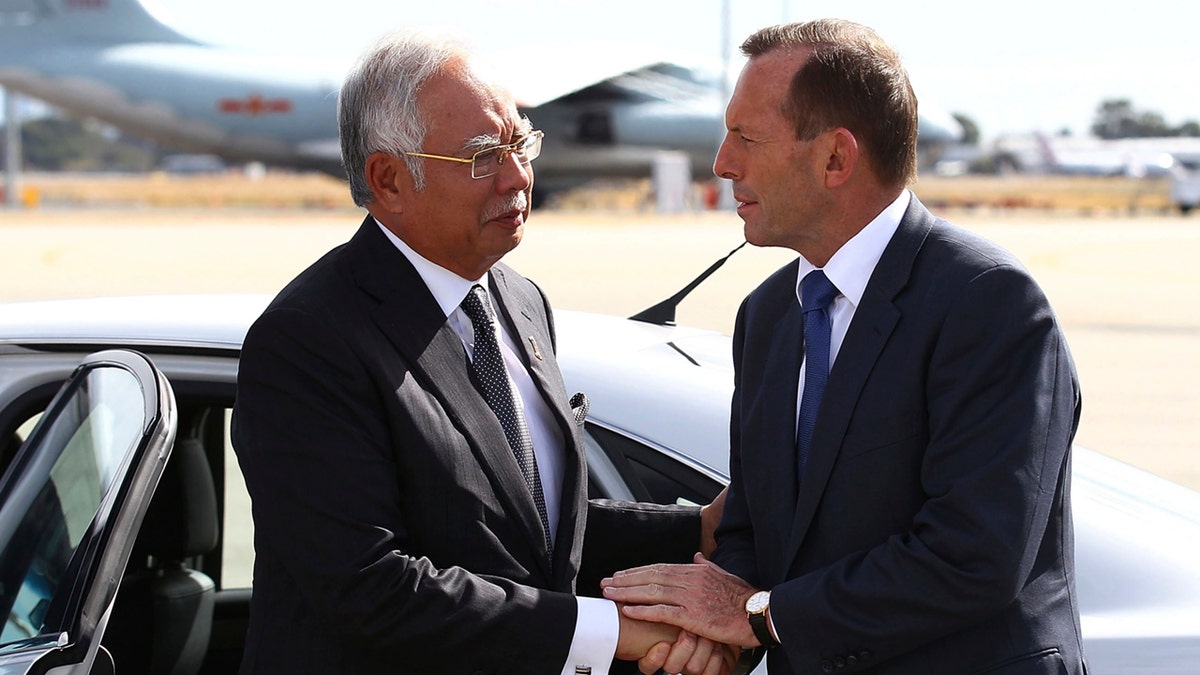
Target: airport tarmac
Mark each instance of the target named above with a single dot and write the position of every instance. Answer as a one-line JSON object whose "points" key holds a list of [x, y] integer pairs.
{"points": [[1126, 289]]}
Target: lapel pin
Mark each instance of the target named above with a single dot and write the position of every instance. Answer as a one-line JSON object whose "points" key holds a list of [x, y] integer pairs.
{"points": [[533, 343]]}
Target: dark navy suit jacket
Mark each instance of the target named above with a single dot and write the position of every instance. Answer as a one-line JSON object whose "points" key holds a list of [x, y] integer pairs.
{"points": [[931, 532]]}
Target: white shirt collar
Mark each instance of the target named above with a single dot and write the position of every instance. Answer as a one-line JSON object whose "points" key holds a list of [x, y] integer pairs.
{"points": [[851, 266], [447, 288]]}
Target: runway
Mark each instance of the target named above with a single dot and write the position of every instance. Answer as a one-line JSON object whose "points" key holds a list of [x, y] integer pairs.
{"points": [[1126, 289]]}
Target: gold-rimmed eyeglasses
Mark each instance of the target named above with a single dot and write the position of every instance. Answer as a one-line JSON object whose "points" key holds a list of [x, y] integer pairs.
{"points": [[487, 162]]}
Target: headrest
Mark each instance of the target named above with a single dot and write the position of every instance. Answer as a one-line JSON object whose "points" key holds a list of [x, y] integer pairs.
{"points": [[182, 518]]}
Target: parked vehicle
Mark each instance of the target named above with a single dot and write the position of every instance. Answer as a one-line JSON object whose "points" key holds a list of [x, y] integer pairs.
{"points": [[1185, 183], [124, 476]]}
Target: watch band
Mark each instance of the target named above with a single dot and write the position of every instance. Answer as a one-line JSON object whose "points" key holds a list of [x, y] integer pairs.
{"points": [[758, 623]]}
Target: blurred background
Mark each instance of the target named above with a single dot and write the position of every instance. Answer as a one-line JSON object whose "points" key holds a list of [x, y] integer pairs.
{"points": [[178, 146]]}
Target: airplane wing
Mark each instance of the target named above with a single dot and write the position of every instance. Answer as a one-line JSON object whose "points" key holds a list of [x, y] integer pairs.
{"points": [[537, 74]]}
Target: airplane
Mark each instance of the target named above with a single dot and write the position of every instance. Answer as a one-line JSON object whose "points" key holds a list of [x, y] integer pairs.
{"points": [[116, 61], [1037, 152]]}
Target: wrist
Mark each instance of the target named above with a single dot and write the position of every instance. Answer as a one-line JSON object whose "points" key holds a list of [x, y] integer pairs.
{"points": [[758, 607]]}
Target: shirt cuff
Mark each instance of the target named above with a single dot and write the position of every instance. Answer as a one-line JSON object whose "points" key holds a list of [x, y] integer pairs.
{"points": [[597, 628]]}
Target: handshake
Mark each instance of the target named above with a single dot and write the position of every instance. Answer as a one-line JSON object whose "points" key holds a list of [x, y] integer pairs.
{"points": [[682, 618]]}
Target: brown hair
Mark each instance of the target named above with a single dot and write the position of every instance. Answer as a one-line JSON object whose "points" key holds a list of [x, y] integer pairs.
{"points": [[851, 79]]}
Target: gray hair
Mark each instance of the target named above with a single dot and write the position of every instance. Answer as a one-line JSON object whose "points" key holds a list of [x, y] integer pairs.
{"points": [[377, 106]]}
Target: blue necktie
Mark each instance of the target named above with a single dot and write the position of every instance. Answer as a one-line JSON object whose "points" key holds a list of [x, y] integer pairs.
{"points": [[816, 292], [488, 365]]}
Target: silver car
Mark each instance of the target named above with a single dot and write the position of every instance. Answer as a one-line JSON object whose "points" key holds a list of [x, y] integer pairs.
{"points": [[111, 554]]}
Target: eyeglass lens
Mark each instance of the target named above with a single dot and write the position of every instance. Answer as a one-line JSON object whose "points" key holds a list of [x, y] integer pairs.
{"points": [[488, 162]]}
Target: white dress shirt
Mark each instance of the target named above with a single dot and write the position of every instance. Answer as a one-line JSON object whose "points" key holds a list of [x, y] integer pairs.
{"points": [[597, 625]]}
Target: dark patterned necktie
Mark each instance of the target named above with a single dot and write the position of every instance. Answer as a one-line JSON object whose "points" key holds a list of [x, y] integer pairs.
{"points": [[488, 364], [816, 292]]}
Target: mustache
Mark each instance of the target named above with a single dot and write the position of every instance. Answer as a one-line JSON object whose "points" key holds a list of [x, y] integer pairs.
{"points": [[517, 202]]}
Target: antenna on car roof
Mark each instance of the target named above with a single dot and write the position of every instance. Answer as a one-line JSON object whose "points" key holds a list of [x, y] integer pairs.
{"points": [[663, 313]]}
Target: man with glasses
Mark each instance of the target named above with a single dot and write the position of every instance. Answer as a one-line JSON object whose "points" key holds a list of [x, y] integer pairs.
{"points": [[415, 464]]}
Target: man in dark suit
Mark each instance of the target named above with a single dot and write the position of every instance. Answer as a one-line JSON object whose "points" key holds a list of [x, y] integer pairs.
{"points": [[906, 509], [416, 470]]}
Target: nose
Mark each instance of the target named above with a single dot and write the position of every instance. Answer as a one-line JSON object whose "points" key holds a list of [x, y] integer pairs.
{"points": [[514, 176], [724, 166]]}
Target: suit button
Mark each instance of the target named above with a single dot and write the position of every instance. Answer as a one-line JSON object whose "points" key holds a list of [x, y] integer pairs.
{"points": [[865, 655], [826, 666], [839, 663], [852, 660]]}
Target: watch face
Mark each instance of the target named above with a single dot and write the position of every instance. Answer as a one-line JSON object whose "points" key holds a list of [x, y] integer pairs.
{"points": [[758, 602]]}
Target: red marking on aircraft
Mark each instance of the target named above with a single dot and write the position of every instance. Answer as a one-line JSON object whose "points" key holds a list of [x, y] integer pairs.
{"points": [[254, 105]]}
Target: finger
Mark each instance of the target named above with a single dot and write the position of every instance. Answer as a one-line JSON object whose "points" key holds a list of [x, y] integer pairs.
{"points": [[636, 576], [649, 594], [657, 613], [698, 664], [716, 663], [681, 652], [655, 659]]}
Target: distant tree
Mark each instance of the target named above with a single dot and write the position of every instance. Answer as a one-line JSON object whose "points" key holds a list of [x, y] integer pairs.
{"points": [[1189, 128], [1117, 118], [64, 143], [970, 129]]}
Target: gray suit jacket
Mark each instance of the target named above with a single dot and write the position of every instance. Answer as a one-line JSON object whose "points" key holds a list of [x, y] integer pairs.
{"points": [[393, 529], [931, 532]]}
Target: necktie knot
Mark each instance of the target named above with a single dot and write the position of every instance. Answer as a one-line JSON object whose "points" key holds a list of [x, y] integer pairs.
{"points": [[475, 305], [816, 291]]}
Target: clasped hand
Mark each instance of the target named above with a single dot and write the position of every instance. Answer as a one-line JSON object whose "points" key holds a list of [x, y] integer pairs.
{"points": [[701, 599]]}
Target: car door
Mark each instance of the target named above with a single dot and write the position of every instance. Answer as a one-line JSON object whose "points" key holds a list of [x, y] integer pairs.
{"points": [[70, 501]]}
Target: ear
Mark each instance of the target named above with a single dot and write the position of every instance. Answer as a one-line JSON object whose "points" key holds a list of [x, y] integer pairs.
{"points": [[842, 159], [387, 177]]}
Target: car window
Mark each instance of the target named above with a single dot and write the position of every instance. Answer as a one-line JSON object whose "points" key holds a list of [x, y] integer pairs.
{"points": [[652, 474], [237, 553], [52, 498]]}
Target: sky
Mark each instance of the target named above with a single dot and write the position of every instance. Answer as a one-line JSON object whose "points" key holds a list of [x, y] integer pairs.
{"points": [[1013, 66]]}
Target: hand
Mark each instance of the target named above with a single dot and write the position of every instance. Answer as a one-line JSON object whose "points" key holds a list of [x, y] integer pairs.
{"points": [[701, 598], [710, 518], [690, 655]]}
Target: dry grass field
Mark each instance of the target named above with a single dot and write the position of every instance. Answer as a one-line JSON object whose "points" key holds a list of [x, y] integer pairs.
{"points": [[282, 190]]}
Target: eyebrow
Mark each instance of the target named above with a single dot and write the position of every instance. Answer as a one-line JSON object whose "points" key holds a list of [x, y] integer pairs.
{"points": [[484, 141]]}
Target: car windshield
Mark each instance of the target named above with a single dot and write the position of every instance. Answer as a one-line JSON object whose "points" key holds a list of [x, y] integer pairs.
{"points": [[53, 492]]}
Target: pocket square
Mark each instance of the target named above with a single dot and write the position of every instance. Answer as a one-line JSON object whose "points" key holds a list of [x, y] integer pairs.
{"points": [[580, 406]]}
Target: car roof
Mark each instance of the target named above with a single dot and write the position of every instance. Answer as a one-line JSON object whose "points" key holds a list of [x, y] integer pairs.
{"points": [[149, 320]]}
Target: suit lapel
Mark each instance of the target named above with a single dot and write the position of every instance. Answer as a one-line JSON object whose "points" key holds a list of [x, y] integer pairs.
{"points": [[414, 323], [780, 385], [869, 331]]}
